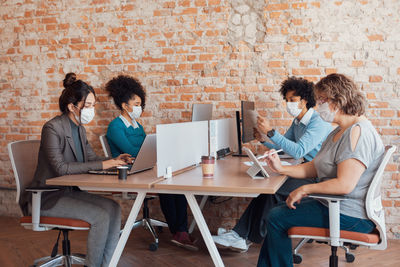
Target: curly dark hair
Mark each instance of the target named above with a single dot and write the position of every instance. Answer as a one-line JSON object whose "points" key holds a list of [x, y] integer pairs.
{"points": [[301, 87], [123, 88]]}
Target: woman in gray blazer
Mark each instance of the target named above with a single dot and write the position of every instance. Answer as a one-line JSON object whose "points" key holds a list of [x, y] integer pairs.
{"points": [[64, 149]]}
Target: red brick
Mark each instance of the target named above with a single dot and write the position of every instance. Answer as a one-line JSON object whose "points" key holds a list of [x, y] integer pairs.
{"points": [[387, 113], [277, 7], [375, 37], [79, 46], [198, 66], [275, 64], [97, 61], [200, 2], [172, 105], [214, 90], [309, 71], [167, 51], [375, 79], [387, 203], [191, 10], [154, 60], [214, 2], [49, 20]]}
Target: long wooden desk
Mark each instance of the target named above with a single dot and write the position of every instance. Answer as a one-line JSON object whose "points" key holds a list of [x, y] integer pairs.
{"points": [[230, 179]]}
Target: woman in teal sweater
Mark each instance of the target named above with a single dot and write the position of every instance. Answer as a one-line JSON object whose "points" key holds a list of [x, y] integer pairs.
{"points": [[126, 135]]}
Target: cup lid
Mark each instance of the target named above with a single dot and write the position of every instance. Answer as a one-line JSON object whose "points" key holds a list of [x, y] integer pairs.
{"points": [[122, 167]]}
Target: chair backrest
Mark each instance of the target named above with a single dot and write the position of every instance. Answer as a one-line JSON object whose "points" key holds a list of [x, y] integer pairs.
{"points": [[373, 201], [24, 158], [105, 146]]}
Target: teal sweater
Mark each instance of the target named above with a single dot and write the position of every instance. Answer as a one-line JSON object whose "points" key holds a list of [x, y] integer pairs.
{"points": [[124, 139]]}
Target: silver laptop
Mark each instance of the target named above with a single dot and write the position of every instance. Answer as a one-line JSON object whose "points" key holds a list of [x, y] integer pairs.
{"points": [[145, 159]]}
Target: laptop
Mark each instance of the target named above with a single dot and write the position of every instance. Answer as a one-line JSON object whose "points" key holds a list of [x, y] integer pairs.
{"points": [[145, 159]]}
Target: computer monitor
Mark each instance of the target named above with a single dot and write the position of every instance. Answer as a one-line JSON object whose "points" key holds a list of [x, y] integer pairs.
{"points": [[202, 112], [249, 120], [245, 125]]}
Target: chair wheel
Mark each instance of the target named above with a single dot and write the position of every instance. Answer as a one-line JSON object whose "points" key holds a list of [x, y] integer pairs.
{"points": [[350, 257], [353, 247], [160, 229], [153, 246], [297, 258]]}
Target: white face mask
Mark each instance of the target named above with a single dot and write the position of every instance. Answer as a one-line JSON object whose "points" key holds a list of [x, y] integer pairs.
{"points": [[135, 113], [326, 113], [293, 108], [87, 115]]}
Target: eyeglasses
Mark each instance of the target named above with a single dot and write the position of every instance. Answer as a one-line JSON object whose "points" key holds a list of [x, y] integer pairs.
{"points": [[321, 100]]}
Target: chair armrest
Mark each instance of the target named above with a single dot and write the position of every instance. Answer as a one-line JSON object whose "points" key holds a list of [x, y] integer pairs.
{"points": [[41, 189], [328, 197], [334, 215], [36, 203]]}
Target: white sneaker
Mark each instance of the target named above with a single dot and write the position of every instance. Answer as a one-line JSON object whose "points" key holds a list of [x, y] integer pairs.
{"points": [[221, 231], [232, 241]]}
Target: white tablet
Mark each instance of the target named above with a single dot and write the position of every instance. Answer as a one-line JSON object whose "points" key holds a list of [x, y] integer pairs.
{"points": [[256, 171]]}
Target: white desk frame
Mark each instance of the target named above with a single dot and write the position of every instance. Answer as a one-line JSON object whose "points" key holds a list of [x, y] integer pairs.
{"points": [[194, 206]]}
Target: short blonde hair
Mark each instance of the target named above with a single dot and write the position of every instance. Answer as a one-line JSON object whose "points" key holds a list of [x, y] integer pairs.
{"points": [[343, 92]]}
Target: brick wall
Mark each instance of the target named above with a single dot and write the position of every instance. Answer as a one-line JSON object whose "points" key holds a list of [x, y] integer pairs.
{"points": [[187, 51]]}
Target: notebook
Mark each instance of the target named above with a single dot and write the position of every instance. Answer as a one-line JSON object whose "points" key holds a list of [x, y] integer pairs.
{"points": [[145, 159]]}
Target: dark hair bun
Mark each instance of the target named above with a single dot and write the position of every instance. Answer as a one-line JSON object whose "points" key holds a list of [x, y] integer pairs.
{"points": [[70, 78]]}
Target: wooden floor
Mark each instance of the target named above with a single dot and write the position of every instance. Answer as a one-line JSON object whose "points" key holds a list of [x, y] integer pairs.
{"points": [[19, 247]]}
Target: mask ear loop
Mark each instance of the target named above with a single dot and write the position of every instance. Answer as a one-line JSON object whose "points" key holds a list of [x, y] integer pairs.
{"points": [[76, 117]]}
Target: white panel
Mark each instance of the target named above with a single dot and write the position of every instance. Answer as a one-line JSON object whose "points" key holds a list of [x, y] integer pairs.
{"points": [[181, 145], [223, 134], [202, 112]]}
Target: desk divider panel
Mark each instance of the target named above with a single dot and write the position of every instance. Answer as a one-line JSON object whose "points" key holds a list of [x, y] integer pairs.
{"points": [[223, 134], [180, 145]]}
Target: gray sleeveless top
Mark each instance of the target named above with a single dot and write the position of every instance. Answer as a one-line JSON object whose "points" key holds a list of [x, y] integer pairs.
{"points": [[369, 150]]}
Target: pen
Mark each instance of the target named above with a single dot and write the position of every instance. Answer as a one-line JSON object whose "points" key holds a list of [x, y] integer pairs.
{"points": [[266, 155]]}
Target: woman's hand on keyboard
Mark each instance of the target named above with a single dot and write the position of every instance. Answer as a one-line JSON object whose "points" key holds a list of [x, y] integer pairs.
{"points": [[107, 164]]}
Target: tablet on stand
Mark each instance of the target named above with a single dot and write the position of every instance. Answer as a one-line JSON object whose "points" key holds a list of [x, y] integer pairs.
{"points": [[256, 171]]}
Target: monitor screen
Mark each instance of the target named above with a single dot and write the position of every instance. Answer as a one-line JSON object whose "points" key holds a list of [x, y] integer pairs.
{"points": [[249, 121], [202, 112]]}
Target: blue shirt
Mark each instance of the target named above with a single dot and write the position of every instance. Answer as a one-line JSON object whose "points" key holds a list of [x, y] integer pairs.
{"points": [[125, 137], [304, 138]]}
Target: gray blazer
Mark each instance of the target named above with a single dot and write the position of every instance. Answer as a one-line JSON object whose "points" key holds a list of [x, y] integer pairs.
{"points": [[57, 157]]}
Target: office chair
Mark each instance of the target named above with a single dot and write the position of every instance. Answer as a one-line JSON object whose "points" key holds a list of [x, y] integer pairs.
{"points": [[146, 221], [24, 156], [338, 238]]}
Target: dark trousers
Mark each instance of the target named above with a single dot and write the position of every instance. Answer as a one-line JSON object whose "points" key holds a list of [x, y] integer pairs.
{"points": [[252, 225], [277, 247], [174, 208]]}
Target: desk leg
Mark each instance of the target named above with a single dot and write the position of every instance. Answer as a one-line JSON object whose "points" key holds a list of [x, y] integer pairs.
{"points": [[205, 232], [127, 229], [202, 203]]}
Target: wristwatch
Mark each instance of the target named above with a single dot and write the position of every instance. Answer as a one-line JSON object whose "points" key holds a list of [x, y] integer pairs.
{"points": [[271, 133]]}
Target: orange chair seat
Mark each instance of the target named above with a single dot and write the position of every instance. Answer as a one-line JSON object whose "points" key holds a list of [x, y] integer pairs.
{"points": [[371, 238], [57, 221]]}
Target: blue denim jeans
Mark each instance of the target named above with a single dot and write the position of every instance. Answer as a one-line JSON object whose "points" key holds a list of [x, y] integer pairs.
{"points": [[277, 247]]}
